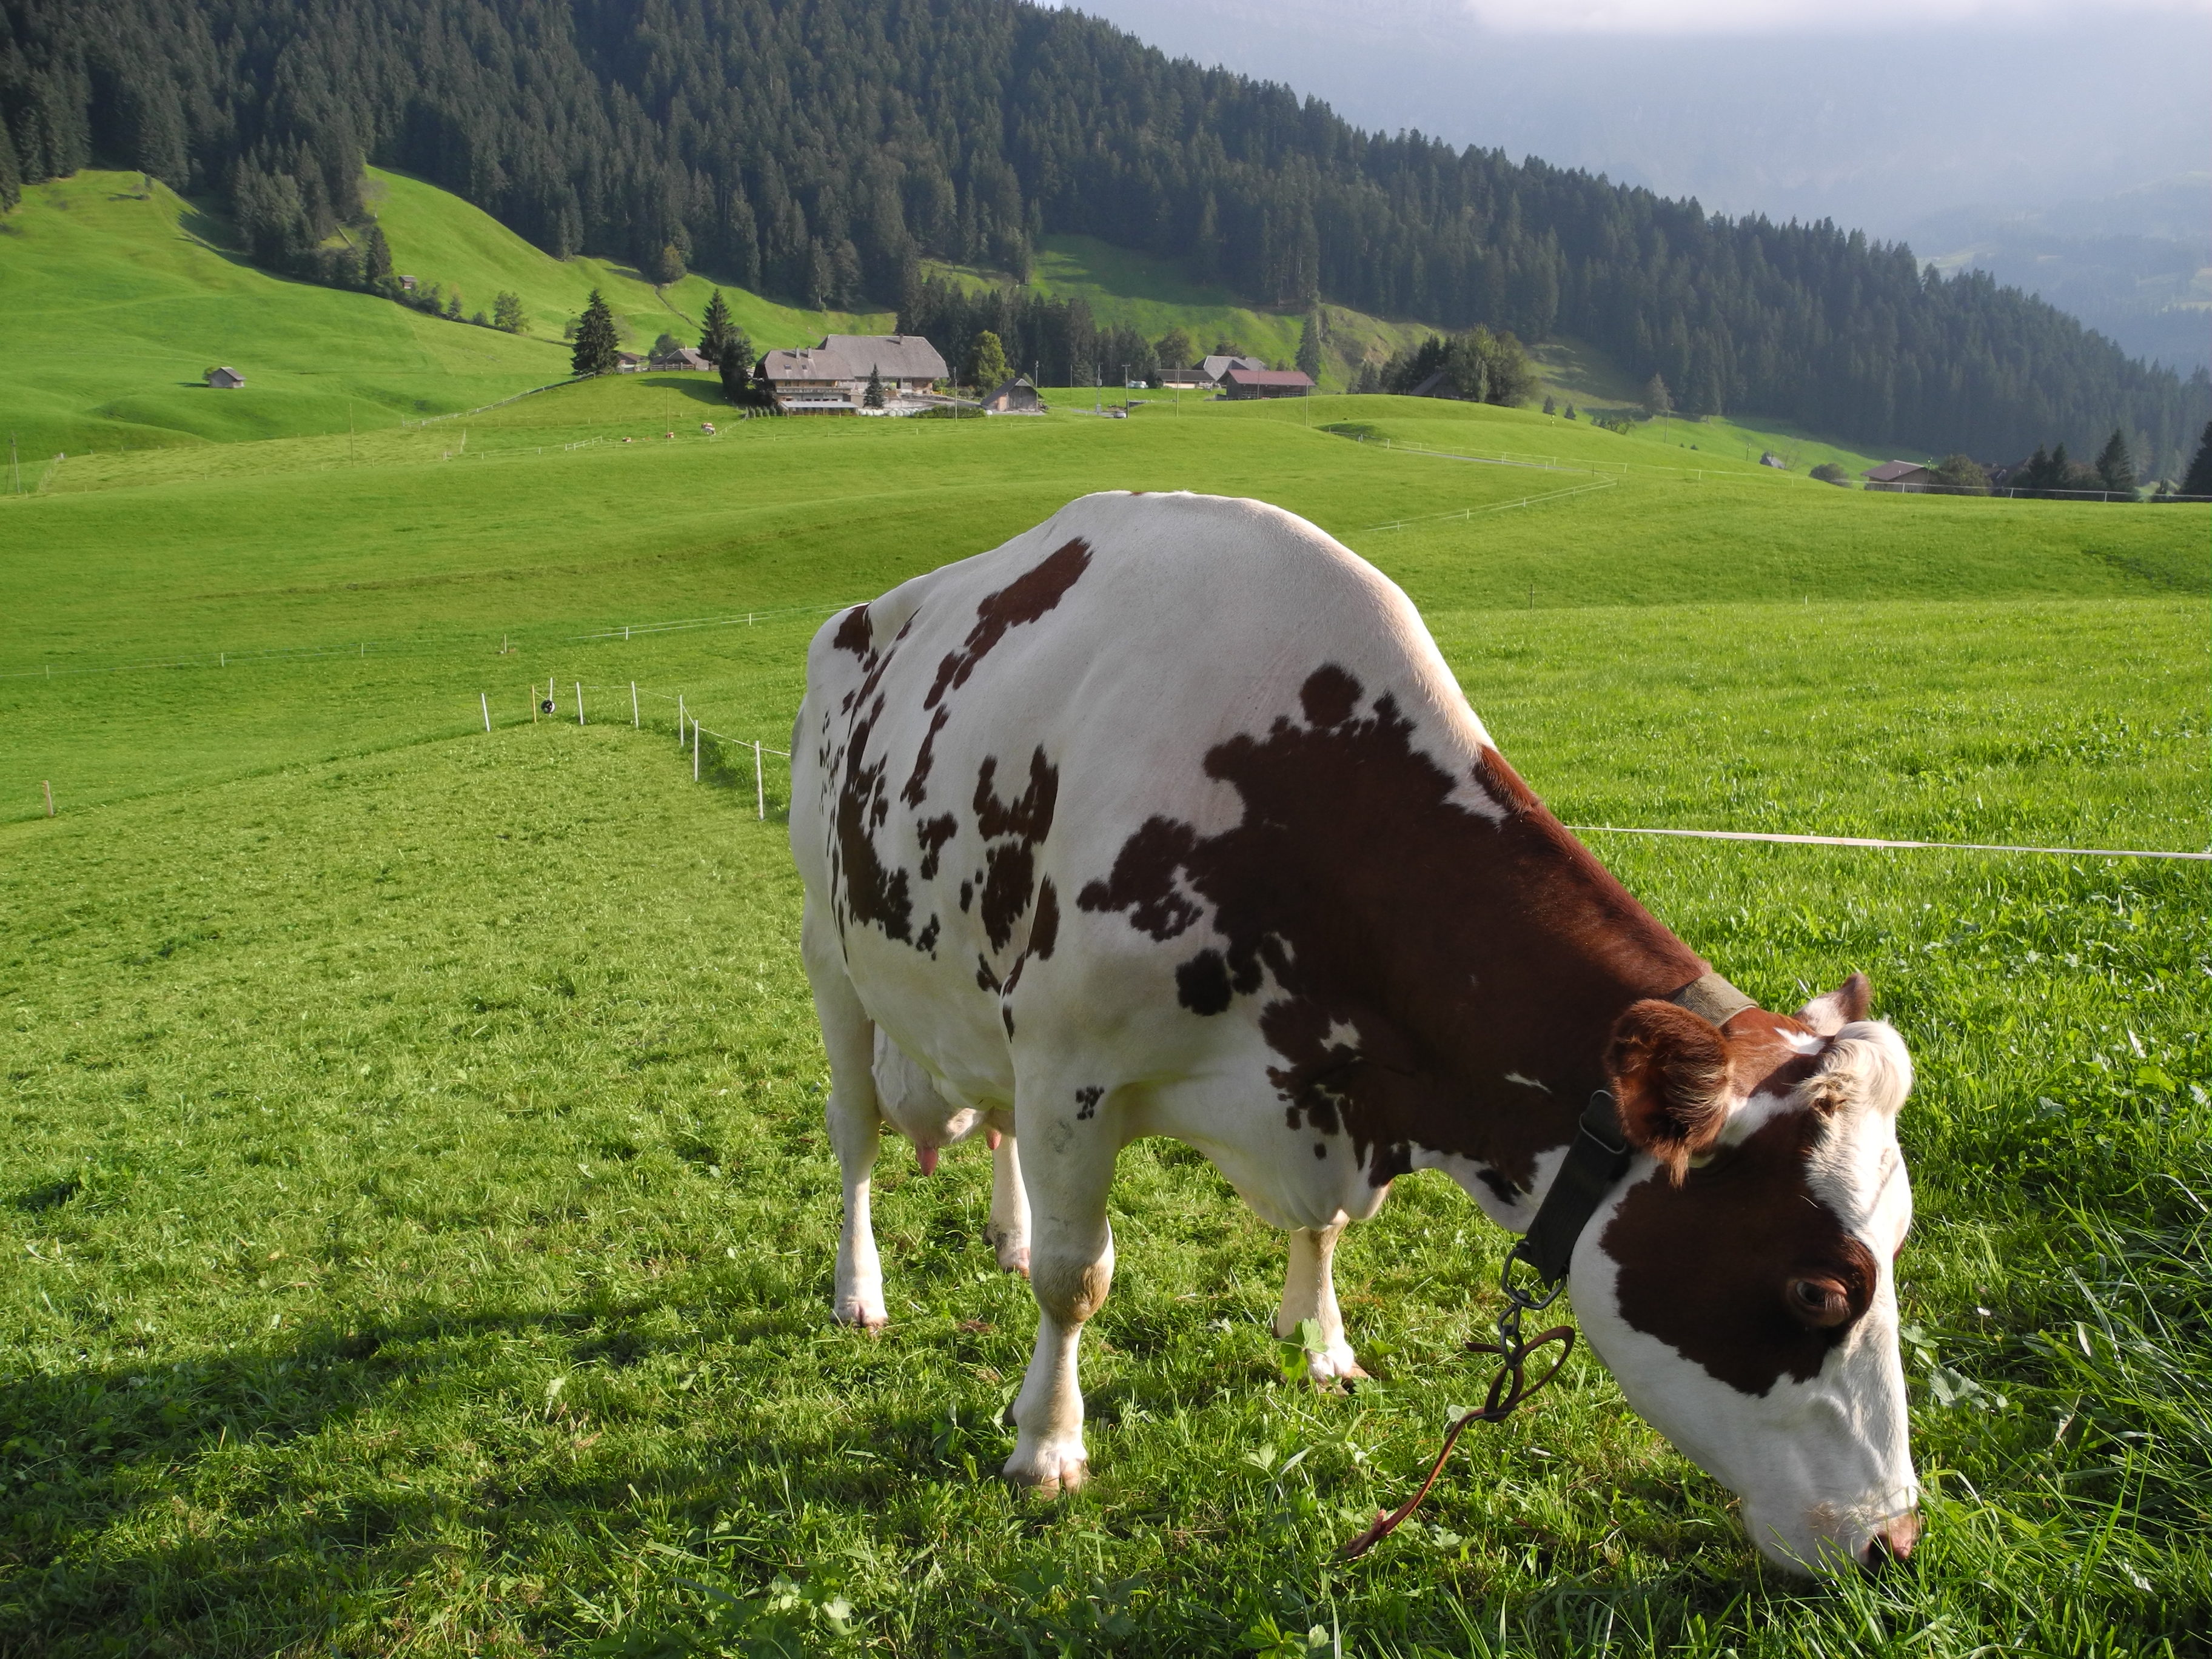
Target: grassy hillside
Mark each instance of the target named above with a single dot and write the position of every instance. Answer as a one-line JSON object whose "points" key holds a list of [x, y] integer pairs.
{"points": [[115, 299], [418, 1223], [439, 237]]}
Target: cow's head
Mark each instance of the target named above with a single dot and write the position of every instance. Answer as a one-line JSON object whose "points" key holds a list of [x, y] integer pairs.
{"points": [[1740, 1282]]}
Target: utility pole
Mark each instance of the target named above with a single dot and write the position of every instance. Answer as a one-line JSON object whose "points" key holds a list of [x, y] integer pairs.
{"points": [[14, 465]]}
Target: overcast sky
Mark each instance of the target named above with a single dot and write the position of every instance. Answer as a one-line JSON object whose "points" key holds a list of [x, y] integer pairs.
{"points": [[1878, 114]]}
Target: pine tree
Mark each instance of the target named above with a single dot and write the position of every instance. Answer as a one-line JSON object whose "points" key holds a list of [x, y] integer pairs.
{"points": [[596, 344], [667, 266], [1309, 346], [375, 258], [506, 312], [1657, 401], [2197, 481], [716, 332], [1550, 405], [873, 397], [2115, 468], [735, 366], [453, 305], [987, 361]]}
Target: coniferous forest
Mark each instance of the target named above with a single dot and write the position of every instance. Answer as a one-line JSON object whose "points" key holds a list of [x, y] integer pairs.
{"points": [[817, 148]]}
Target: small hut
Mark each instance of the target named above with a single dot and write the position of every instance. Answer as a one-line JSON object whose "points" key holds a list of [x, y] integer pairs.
{"points": [[225, 379], [1016, 396]]}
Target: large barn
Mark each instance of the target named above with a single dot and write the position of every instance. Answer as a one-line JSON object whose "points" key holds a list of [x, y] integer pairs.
{"points": [[832, 378]]}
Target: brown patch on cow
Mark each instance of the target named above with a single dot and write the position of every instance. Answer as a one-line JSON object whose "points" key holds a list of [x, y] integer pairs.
{"points": [[875, 894], [1706, 1268], [1024, 600], [932, 833], [1418, 949], [1013, 831], [985, 979], [925, 758], [1044, 931], [1086, 1100], [967, 895], [926, 938], [1143, 881], [852, 634]]}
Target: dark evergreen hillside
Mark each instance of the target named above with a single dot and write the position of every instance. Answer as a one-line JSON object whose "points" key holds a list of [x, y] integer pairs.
{"points": [[815, 148]]}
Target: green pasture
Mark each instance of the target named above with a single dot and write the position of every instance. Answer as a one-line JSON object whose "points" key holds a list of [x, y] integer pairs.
{"points": [[418, 1220], [116, 297], [436, 237]]}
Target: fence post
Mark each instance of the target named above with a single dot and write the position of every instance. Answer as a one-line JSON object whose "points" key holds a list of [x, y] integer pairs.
{"points": [[760, 789], [484, 697], [50, 797], [580, 702], [694, 751], [679, 722], [633, 705]]}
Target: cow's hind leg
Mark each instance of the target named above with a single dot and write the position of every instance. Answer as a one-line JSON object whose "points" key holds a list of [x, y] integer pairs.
{"points": [[1068, 1168], [1310, 1292], [1009, 1227], [854, 1121]]}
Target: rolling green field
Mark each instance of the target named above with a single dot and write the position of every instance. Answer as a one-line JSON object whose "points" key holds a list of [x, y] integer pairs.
{"points": [[116, 298], [418, 1219]]}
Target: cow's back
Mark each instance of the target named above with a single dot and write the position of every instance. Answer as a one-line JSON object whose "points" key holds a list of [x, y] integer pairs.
{"points": [[978, 748]]}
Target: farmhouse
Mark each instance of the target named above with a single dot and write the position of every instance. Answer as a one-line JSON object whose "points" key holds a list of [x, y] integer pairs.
{"points": [[629, 363], [225, 379], [832, 378], [1898, 475], [1242, 383], [1016, 397], [685, 358], [1211, 370]]}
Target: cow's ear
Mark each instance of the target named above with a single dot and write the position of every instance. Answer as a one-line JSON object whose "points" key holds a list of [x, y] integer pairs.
{"points": [[1669, 1070], [1846, 1003]]}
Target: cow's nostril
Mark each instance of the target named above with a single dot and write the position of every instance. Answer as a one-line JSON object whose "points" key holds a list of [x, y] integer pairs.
{"points": [[1892, 1541]]}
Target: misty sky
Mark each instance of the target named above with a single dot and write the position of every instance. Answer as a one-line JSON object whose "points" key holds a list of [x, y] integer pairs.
{"points": [[1878, 114]]}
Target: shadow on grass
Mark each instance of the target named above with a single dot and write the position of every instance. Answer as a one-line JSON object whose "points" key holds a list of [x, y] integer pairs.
{"points": [[103, 1467]]}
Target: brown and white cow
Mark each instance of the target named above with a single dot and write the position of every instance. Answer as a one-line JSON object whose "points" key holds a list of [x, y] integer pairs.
{"points": [[1167, 818]]}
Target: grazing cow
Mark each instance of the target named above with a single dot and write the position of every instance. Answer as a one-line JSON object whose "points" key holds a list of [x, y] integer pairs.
{"points": [[1167, 818]]}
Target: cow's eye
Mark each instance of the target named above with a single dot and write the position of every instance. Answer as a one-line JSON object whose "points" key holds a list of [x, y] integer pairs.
{"points": [[1821, 1302]]}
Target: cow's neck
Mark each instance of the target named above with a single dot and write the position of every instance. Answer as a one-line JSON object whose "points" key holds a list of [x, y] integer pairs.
{"points": [[1529, 951]]}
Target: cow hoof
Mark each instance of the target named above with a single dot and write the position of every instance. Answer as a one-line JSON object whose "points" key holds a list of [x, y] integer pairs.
{"points": [[1016, 1261], [870, 1320], [1049, 1471], [1325, 1366]]}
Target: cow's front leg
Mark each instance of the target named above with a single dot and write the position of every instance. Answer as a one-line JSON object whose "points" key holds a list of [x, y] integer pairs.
{"points": [[1009, 1226], [1310, 1292], [1069, 1167]]}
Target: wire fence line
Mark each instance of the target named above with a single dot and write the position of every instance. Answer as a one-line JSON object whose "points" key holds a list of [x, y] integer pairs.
{"points": [[690, 732], [1494, 507], [736, 619], [1887, 845]]}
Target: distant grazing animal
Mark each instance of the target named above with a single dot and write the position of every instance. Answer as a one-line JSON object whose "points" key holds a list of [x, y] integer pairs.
{"points": [[1167, 818]]}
